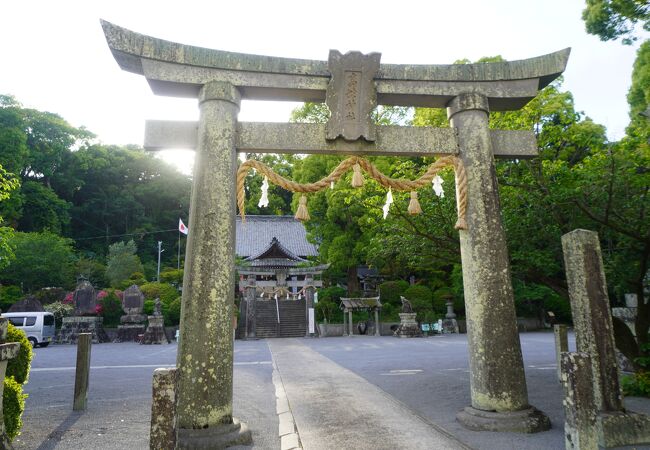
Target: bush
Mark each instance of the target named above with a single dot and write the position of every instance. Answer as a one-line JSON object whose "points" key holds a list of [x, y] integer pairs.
{"points": [[110, 307], [148, 307], [325, 310], [164, 291], [60, 310], [421, 299], [18, 367], [13, 404], [332, 293], [390, 313], [331, 297], [9, 295], [637, 385], [390, 291], [173, 315], [172, 276], [560, 307], [50, 295]]}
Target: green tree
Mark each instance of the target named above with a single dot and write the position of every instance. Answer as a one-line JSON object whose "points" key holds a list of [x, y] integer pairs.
{"points": [[612, 19], [37, 147], [279, 199], [41, 260], [342, 217], [122, 262], [7, 184], [126, 191]]}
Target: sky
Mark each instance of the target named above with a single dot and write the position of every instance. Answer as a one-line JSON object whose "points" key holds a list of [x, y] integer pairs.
{"points": [[53, 55]]}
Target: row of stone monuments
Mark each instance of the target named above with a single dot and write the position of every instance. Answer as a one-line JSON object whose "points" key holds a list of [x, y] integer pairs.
{"points": [[132, 324]]}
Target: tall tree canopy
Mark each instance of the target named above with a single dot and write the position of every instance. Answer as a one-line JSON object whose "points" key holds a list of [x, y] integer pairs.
{"points": [[91, 193], [613, 19]]}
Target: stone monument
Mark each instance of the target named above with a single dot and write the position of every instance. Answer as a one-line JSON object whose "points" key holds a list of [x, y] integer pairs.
{"points": [[449, 324], [85, 319], [591, 373], [132, 323], [155, 333], [408, 326]]}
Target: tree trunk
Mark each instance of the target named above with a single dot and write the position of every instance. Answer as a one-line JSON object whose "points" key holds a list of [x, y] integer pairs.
{"points": [[353, 281]]}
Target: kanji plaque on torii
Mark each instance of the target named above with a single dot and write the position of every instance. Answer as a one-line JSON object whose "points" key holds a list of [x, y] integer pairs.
{"points": [[219, 80], [351, 95]]}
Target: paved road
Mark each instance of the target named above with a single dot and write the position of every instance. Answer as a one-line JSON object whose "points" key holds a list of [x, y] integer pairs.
{"points": [[397, 386], [119, 398]]}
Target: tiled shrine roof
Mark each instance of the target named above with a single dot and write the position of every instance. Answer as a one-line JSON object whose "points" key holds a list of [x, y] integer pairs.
{"points": [[254, 236]]}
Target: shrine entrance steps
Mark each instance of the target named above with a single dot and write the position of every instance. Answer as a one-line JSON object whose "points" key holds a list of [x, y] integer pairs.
{"points": [[293, 322]]}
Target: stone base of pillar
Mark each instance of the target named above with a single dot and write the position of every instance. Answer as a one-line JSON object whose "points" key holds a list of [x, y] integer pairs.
{"points": [[213, 438], [530, 420], [617, 429], [408, 326]]}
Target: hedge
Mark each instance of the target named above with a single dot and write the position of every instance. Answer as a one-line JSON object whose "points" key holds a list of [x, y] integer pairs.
{"points": [[13, 404], [18, 367]]}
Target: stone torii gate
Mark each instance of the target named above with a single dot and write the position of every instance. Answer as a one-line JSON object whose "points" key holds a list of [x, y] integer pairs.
{"points": [[352, 85]]}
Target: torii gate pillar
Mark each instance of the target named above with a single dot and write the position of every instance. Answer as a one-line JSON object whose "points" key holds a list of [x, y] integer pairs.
{"points": [[497, 378], [205, 354]]}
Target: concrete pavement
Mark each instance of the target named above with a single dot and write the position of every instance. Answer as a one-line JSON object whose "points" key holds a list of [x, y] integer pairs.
{"points": [[336, 409]]}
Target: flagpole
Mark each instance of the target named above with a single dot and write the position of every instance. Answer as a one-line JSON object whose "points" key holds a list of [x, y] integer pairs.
{"points": [[179, 249]]}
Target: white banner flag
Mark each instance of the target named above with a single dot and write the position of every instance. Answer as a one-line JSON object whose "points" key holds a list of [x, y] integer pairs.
{"points": [[181, 227]]}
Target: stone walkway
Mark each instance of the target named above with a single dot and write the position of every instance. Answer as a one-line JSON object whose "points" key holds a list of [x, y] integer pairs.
{"points": [[334, 408]]}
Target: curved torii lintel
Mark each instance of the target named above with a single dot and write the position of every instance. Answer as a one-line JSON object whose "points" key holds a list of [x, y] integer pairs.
{"points": [[180, 70]]}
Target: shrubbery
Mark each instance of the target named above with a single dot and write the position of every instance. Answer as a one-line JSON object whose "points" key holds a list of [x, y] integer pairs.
{"points": [[60, 310], [164, 291], [421, 299], [17, 374], [110, 307], [390, 292], [328, 304], [18, 367], [173, 316], [9, 295], [326, 310], [638, 384], [13, 405]]}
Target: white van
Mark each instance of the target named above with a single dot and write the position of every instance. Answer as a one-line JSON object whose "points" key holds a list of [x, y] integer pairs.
{"points": [[38, 326]]}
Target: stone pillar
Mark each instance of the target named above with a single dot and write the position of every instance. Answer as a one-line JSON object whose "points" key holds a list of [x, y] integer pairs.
{"points": [[251, 304], [163, 431], [580, 412], [351, 323], [309, 302], [345, 325], [561, 345], [377, 326], [82, 373], [205, 352], [497, 379], [592, 319]]}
